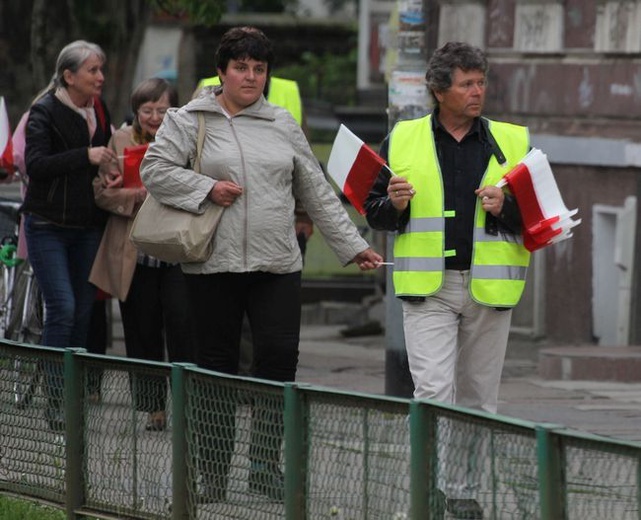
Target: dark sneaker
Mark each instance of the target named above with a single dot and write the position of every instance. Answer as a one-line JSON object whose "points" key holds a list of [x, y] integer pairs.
{"points": [[267, 480], [464, 509]]}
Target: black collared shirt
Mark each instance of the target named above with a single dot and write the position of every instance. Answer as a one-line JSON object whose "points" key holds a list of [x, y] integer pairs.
{"points": [[462, 167]]}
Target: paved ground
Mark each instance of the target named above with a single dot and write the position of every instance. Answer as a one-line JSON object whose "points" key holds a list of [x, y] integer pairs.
{"points": [[358, 364], [605, 408]]}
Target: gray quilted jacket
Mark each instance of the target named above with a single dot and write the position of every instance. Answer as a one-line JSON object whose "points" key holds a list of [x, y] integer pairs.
{"points": [[264, 150]]}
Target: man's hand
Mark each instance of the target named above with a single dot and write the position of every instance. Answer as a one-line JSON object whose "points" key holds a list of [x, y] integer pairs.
{"points": [[491, 199], [304, 227], [400, 192]]}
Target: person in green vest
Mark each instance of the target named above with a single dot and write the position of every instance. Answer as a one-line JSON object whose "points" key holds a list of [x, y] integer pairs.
{"points": [[459, 260]]}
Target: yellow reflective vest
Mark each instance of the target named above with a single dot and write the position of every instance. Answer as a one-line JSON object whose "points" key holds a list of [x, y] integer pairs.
{"points": [[499, 263], [282, 92]]}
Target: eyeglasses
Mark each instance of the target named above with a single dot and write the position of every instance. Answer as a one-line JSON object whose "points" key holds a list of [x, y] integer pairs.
{"points": [[148, 112]]}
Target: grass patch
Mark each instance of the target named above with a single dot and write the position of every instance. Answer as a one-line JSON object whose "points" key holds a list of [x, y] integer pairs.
{"points": [[14, 509]]}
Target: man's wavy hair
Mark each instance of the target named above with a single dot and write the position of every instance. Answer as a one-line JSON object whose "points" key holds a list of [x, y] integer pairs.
{"points": [[447, 58]]}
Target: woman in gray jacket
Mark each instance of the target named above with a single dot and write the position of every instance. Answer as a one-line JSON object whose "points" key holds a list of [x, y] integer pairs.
{"points": [[255, 162]]}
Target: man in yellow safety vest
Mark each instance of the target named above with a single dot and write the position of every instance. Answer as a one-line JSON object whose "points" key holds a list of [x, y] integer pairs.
{"points": [[459, 259]]}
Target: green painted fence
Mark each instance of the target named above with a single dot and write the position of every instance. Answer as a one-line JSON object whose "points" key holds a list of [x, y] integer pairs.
{"points": [[343, 455]]}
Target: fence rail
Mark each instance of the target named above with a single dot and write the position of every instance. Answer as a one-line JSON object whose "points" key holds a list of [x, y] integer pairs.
{"points": [[343, 455]]}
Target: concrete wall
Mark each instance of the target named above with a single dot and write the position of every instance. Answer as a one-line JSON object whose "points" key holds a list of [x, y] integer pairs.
{"points": [[571, 71]]}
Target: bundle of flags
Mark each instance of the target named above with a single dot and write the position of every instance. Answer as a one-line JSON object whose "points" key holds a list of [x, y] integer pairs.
{"points": [[6, 148], [546, 219], [353, 166]]}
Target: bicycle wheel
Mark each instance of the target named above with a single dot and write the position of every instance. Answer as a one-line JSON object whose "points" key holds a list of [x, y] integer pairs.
{"points": [[4, 302], [27, 316], [26, 379]]}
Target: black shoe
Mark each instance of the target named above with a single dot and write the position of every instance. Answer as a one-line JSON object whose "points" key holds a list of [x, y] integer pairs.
{"points": [[464, 509], [267, 480], [55, 419]]}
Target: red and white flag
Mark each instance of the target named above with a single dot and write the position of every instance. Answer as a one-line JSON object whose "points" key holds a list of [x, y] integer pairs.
{"points": [[133, 156], [353, 166], [546, 219], [6, 148]]}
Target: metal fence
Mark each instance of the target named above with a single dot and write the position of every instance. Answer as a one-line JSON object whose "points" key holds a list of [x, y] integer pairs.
{"points": [[342, 455]]}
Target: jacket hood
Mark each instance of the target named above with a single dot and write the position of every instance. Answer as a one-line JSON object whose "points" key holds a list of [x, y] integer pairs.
{"points": [[207, 101]]}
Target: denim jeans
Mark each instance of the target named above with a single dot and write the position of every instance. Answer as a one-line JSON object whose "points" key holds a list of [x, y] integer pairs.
{"points": [[61, 259]]}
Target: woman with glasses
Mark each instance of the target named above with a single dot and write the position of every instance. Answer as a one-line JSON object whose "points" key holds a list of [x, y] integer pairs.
{"points": [[151, 293]]}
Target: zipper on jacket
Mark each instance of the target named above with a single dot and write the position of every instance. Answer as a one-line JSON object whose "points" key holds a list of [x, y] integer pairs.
{"points": [[244, 183]]}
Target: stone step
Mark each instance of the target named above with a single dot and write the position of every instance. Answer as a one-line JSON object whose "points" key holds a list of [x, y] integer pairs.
{"points": [[591, 363]]}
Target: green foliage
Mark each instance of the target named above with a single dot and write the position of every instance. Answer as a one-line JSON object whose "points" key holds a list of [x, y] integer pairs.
{"points": [[330, 77], [201, 12]]}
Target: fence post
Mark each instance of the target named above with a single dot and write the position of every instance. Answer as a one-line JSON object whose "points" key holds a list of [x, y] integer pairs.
{"points": [[180, 476], [74, 431], [423, 449], [295, 458], [552, 485]]}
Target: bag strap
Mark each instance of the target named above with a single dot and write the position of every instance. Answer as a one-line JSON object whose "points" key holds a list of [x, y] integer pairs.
{"points": [[200, 141]]}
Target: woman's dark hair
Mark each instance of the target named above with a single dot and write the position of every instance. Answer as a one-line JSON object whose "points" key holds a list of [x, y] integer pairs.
{"points": [[447, 58], [151, 89], [244, 42]]}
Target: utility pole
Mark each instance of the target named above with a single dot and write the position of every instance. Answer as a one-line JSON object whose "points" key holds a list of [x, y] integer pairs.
{"points": [[414, 33]]}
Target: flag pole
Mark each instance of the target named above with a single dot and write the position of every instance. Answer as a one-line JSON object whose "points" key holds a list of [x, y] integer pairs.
{"points": [[389, 170]]}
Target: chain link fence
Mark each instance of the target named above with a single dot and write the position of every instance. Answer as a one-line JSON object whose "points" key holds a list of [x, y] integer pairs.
{"points": [[241, 448]]}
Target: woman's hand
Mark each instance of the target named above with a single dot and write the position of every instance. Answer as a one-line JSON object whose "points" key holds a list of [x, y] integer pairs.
{"points": [[101, 155], [225, 193], [400, 192], [112, 179], [491, 199], [368, 259]]}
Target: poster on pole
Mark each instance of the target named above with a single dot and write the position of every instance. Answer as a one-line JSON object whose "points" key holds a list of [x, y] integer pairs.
{"points": [[408, 96]]}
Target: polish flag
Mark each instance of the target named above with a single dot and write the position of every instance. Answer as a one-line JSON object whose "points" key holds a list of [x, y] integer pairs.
{"points": [[353, 166], [6, 148], [546, 219], [133, 156]]}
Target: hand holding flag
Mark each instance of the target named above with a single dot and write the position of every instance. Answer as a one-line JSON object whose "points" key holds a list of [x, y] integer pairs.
{"points": [[353, 166], [546, 219]]}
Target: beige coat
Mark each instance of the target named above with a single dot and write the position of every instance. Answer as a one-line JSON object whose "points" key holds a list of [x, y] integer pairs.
{"points": [[115, 262]]}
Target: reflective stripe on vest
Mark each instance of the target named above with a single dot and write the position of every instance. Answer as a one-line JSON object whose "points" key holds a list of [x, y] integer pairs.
{"points": [[419, 249], [282, 92], [499, 262]]}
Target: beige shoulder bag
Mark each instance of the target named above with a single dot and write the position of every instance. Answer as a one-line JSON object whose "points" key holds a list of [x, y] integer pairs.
{"points": [[174, 235]]}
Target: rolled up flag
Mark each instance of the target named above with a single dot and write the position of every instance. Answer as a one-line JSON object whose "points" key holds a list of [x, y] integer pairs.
{"points": [[6, 147], [546, 219], [353, 166], [133, 156]]}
